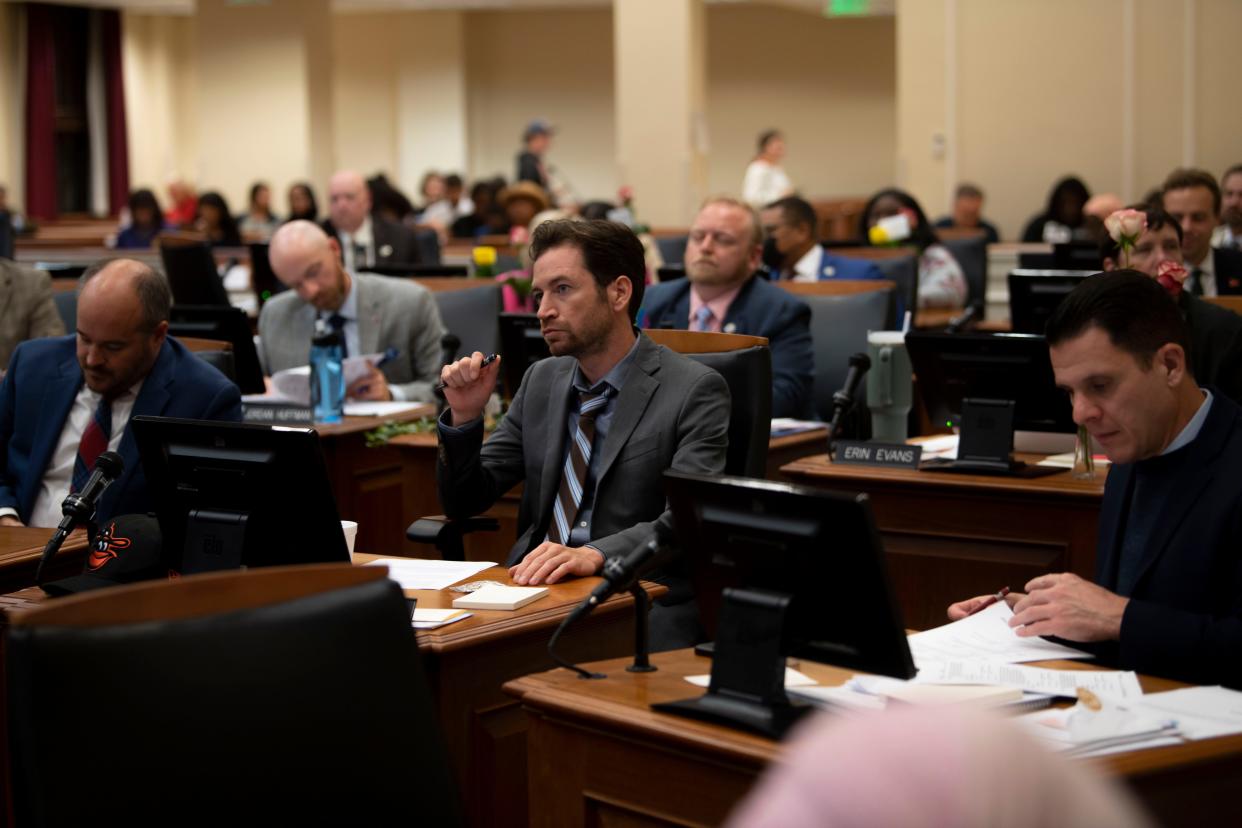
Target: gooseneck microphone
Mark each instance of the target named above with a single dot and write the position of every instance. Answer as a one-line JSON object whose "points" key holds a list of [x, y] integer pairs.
{"points": [[79, 507], [960, 322], [843, 400]]}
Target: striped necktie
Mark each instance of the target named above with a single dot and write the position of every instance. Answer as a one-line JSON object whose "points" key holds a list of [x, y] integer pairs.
{"points": [[94, 442], [577, 461]]}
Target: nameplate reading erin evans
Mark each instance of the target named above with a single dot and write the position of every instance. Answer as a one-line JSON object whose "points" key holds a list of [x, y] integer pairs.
{"points": [[878, 454], [274, 413]]}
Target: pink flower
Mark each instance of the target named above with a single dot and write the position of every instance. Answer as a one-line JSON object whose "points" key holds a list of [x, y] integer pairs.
{"points": [[1125, 226], [625, 194], [518, 235], [1171, 275]]}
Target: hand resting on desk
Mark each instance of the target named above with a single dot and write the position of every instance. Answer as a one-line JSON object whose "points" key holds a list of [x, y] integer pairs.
{"points": [[1060, 604], [549, 562]]}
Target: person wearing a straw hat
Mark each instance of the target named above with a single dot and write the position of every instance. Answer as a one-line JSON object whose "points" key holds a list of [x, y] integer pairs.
{"points": [[522, 202]]}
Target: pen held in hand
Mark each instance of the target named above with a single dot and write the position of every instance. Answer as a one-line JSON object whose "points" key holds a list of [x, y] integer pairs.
{"points": [[990, 600], [486, 362]]}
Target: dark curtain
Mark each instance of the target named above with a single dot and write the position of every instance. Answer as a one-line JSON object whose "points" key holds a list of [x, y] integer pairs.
{"points": [[114, 82], [40, 113]]}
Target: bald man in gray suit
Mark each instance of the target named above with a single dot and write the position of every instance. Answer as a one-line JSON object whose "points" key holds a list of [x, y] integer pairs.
{"points": [[372, 313]]}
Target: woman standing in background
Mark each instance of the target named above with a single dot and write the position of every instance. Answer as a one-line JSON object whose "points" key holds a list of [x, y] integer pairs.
{"points": [[765, 179]]}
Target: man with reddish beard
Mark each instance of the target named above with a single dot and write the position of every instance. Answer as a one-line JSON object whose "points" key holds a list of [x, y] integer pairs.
{"points": [[1167, 597], [592, 429]]}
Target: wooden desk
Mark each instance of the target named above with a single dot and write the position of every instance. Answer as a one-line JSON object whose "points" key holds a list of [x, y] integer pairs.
{"points": [[21, 548], [600, 756], [951, 536]]}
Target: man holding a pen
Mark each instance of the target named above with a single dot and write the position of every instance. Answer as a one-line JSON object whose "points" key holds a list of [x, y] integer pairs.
{"points": [[373, 314], [1167, 596]]}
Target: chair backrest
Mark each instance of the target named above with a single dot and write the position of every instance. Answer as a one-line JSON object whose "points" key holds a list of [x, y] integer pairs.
{"points": [[6, 235], [192, 276], [472, 315], [971, 252], [672, 249], [67, 306], [291, 694], [215, 352], [904, 270], [213, 322], [427, 243], [839, 326], [197, 345], [745, 362]]}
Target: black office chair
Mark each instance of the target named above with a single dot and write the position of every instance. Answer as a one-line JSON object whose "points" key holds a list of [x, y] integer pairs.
{"points": [[192, 275], [285, 695], [745, 362], [904, 270], [972, 254], [839, 326], [427, 241], [672, 249], [7, 242], [67, 306], [471, 315]]}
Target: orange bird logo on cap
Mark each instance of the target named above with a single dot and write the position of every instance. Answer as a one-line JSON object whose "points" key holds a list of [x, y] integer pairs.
{"points": [[107, 545]]}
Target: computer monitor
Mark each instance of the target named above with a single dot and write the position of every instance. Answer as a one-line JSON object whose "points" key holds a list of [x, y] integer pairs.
{"points": [[781, 570], [230, 495], [521, 346], [227, 324], [192, 275], [418, 270], [1035, 294], [954, 367], [262, 277]]}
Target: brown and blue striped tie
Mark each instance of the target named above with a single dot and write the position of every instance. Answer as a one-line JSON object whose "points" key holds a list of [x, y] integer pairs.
{"points": [[577, 461]]}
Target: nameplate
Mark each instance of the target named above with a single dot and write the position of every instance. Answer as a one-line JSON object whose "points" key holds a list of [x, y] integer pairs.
{"points": [[272, 413], [898, 455]]}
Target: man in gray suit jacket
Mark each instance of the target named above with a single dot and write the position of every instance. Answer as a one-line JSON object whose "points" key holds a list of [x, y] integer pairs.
{"points": [[27, 310], [373, 313], [592, 429]]}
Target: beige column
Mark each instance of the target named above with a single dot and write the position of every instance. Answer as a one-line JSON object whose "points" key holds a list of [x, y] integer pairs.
{"points": [[264, 94], [431, 98], [661, 99], [925, 140], [12, 103]]}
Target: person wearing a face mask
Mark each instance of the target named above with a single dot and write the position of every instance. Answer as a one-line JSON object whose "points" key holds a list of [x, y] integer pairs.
{"points": [[792, 250]]}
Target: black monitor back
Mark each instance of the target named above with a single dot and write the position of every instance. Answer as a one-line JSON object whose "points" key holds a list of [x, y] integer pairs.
{"points": [[262, 277], [205, 477], [417, 270], [1035, 294], [521, 346], [7, 242], [953, 367], [192, 276], [819, 547], [230, 325]]}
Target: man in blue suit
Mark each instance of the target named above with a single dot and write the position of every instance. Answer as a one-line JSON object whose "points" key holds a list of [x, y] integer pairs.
{"points": [[1167, 597], [792, 250], [67, 399], [722, 293]]}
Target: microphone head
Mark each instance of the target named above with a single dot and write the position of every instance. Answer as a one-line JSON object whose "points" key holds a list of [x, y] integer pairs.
{"points": [[861, 360], [111, 464], [450, 342]]}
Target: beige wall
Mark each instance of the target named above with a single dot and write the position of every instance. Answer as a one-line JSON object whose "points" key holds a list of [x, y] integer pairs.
{"points": [[12, 115], [830, 85], [547, 64], [160, 99], [1116, 91]]}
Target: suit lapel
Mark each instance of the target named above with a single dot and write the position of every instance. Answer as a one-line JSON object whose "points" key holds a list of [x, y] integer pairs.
{"points": [[152, 401], [370, 318], [640, 386], [58, 396], [1111, 531], [554, 451]]}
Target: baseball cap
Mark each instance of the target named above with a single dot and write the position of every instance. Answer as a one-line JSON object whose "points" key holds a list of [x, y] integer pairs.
{"points": [[126, 549], [539, 126]]}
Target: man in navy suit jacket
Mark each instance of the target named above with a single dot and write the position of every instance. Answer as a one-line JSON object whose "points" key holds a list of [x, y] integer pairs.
{"points": [[120, 364], [792, 250], [722, 293], [1167, 597]]}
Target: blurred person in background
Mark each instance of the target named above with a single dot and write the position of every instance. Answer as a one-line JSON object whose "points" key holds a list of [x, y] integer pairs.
{"points": [[184, 205], [258, 222], [486, 218], [366, 239], [1193, 198], [1063, 219], [15, 216], [765, 180], [1229, 233], [216, 222], [942, 284], [28, 310], [387, 201], [449, 209], [968, 213], [302, 204], [430, 189], [146, 221]]}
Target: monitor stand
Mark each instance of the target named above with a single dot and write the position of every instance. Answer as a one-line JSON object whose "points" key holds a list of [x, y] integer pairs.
{"points": [[748, 668], [213, 541]]}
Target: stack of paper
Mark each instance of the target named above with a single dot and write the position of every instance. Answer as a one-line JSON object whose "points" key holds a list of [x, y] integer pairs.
{"points": [[500, 597], [429, 619], [1112, 683], [985, 636], [417, 573]]}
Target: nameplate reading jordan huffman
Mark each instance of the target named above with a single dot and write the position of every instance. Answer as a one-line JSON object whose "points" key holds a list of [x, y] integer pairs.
{"points": [[897, 455]]}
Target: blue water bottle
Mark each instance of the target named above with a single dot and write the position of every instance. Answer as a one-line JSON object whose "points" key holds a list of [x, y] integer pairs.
{"points": [[327, 379]]}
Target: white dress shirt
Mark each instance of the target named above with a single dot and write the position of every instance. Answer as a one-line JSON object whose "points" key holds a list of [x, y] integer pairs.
{"points": [[58, 475], [363, 238], [807, 268]]}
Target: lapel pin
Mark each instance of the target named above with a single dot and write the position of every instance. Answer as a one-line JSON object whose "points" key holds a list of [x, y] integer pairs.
{"points": [[730, 328], [385, 250]]}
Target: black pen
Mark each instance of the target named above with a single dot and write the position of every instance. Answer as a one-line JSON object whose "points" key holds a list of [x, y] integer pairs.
{"points": [[486, 362]]}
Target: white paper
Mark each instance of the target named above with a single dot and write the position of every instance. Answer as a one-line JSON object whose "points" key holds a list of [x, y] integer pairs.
{"points": [[985, 635], [1201, 712], [379, 408], [429, 619], [840, 696], [943, 446], [782, 426], [1120, 726], [1114, 683], [418, 573], [294, 383], [792, 679]]}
